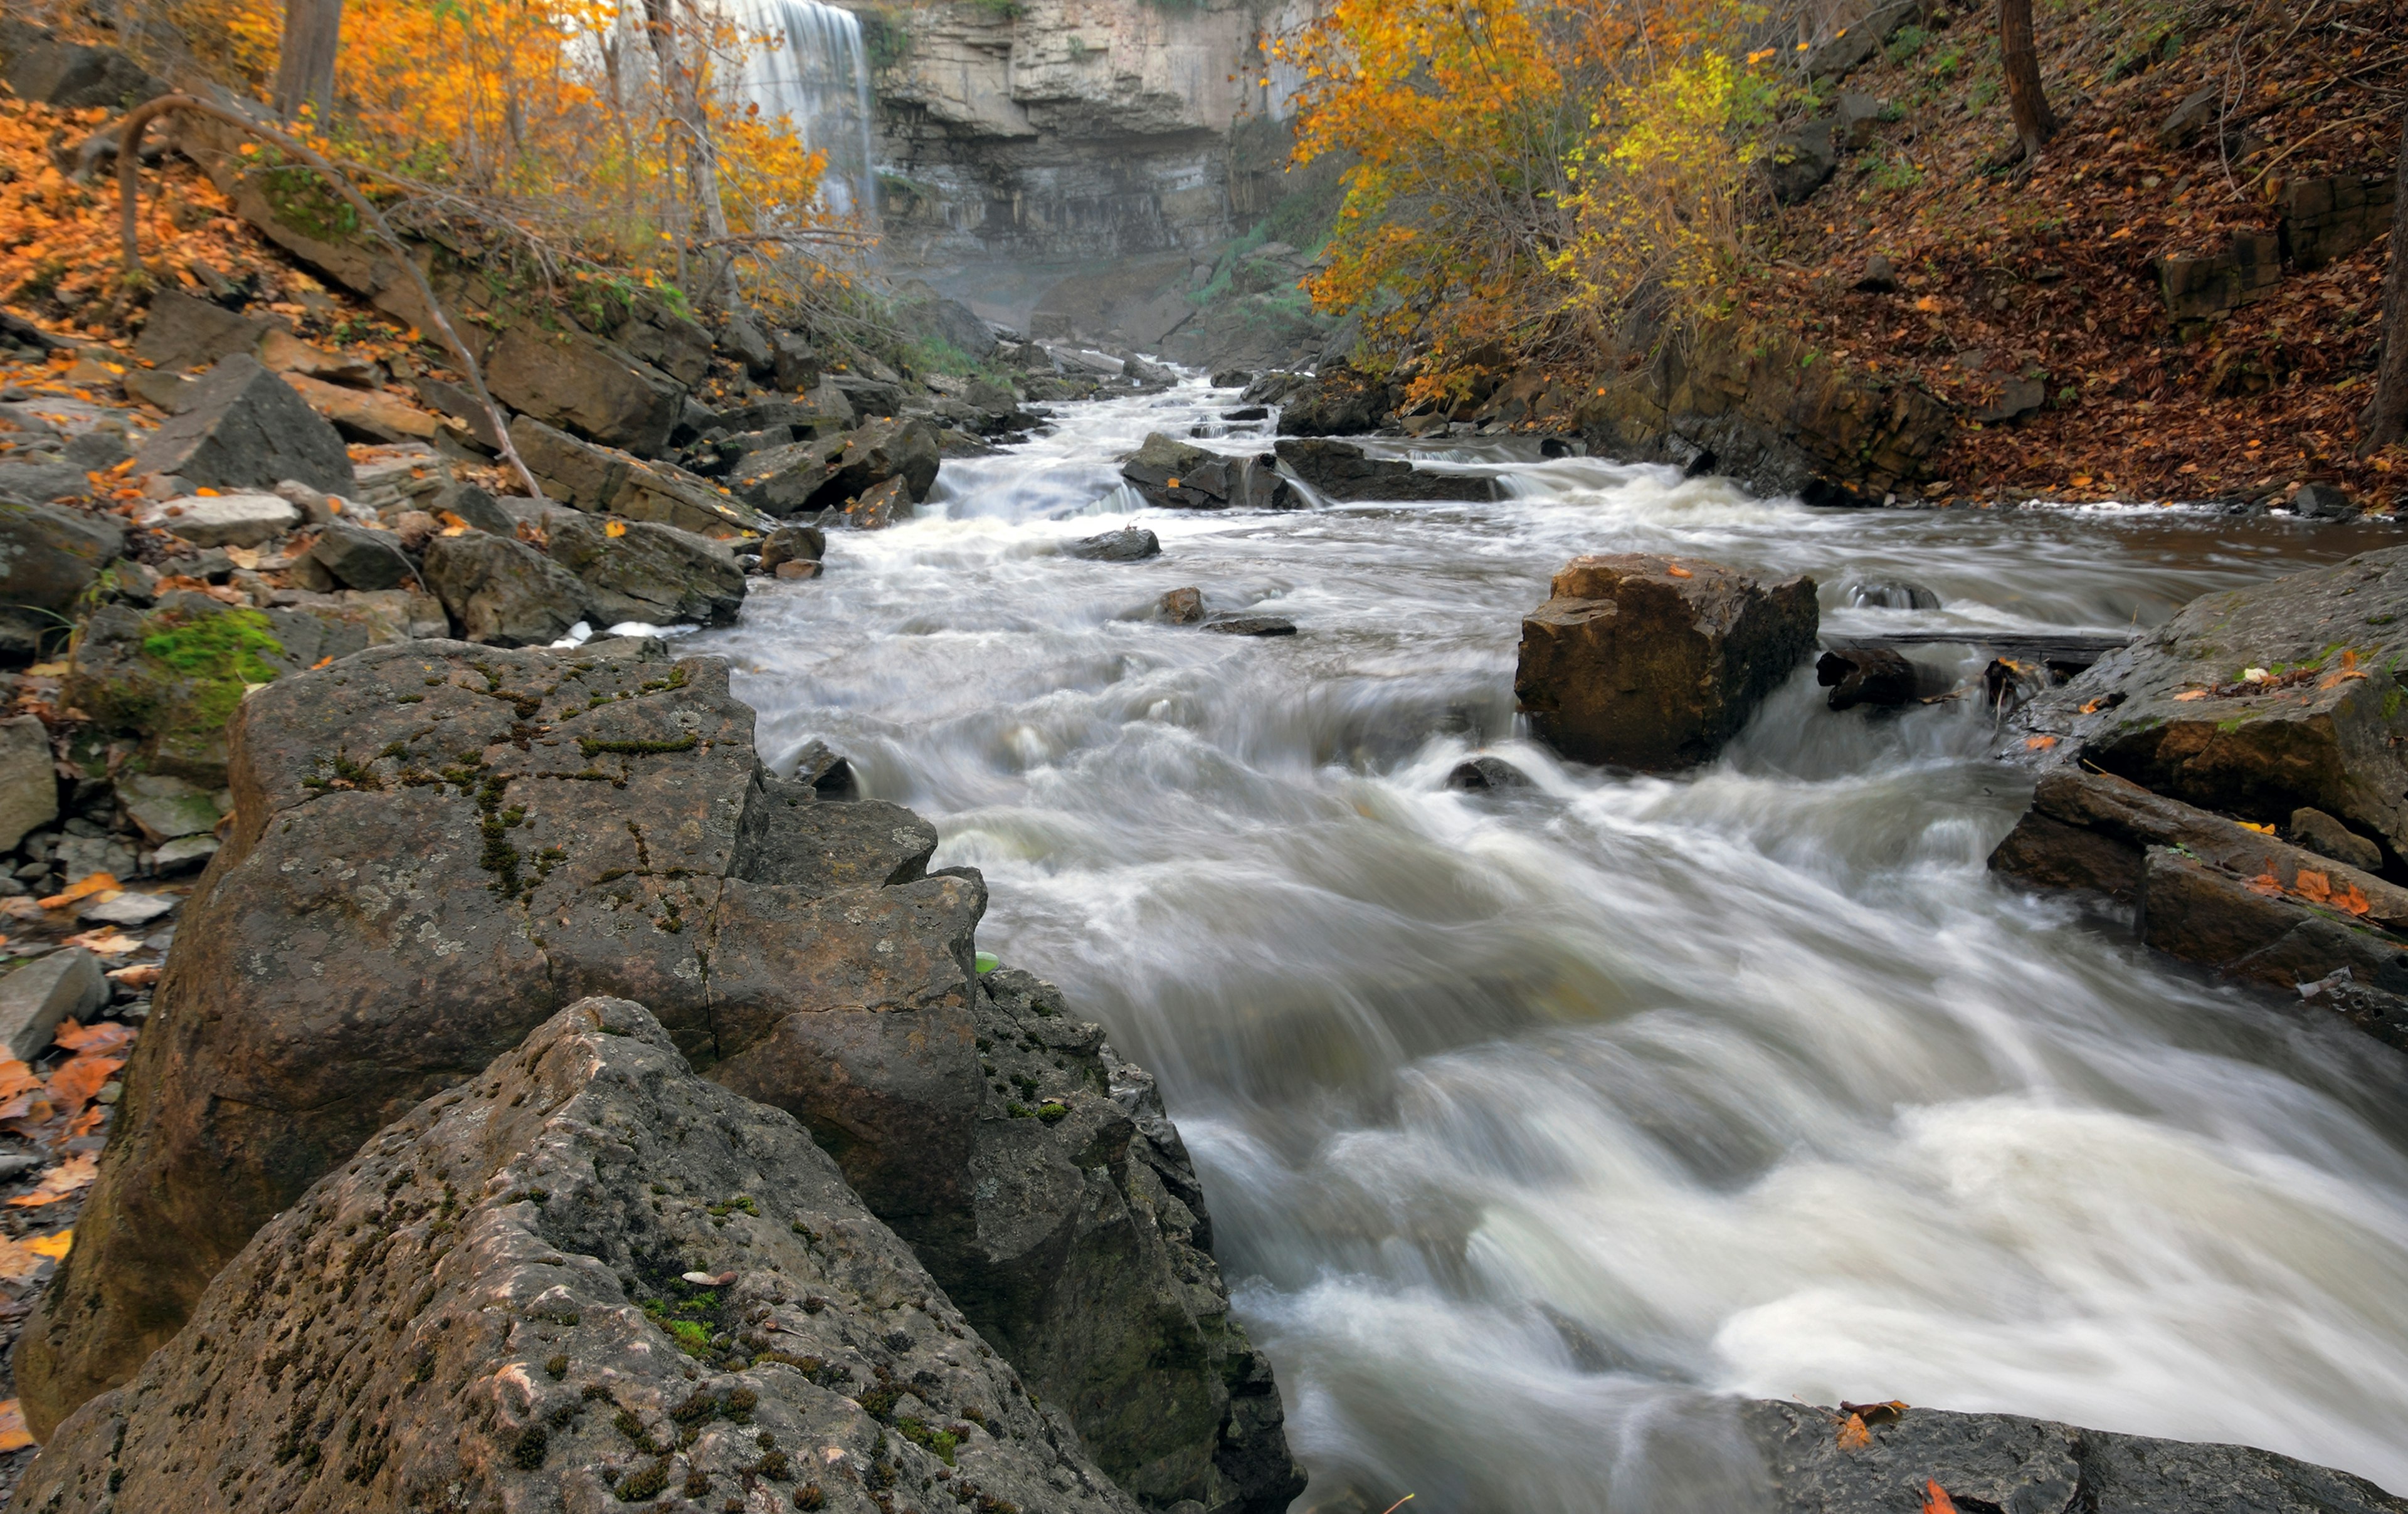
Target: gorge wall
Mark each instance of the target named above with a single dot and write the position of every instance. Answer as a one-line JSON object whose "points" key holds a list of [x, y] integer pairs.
{"points": [[1068, 129]]}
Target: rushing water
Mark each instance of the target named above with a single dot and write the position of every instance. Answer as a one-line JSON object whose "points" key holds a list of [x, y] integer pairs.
{"points": [[1538, 1123]]}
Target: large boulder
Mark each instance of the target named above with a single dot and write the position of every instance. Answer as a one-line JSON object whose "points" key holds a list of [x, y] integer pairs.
{"points": [[437, 847], [503, 592], [29, 779], [358, 557], [1036, 1173], [1640, 661], [48, 556], [1909, 1459], [646, 571], [2322, 726], [1174, 475], [1340, 470], [831, 472], [182, 332], [585, 1278], [596, 478], [51, 71], [246, 429], [573, 379]]}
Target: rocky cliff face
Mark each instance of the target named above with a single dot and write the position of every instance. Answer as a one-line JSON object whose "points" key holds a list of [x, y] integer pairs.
{"points": [[1067, 129]]}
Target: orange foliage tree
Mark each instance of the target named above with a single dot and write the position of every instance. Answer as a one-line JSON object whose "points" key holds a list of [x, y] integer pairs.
{"points": [[604, 139], [1527, 172]]}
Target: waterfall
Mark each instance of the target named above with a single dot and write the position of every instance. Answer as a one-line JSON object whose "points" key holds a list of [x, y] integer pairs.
{"points": [[820, 79]]}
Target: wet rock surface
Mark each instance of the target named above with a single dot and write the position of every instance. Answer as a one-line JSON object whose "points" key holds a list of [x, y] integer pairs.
{"points": [[1645, 661], [1174, 475], [2320, 726], [2031, 1466], [438, 845], [1341, 471], [489, 1306]]}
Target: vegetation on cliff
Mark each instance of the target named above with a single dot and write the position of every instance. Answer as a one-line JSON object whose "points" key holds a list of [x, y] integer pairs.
{"points": [[2177, 295]]}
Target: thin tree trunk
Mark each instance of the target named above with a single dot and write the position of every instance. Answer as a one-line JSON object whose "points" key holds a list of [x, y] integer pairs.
{"points": [[2387, 420], [2035, 122], [701, 153], [305, 59]]}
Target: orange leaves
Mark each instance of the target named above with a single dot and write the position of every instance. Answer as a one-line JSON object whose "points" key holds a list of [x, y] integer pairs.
{"points": [[95, 1040], [141, 976], [2315, 887], [64, 1181], [1675, 570], [1936, 1499], [2189, 694], [83, 887], [1856, 1431], [2039, 743], [20, 1260], [14, 1437]]}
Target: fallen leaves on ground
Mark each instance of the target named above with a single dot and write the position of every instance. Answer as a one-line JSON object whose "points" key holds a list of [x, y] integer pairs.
{"points": [[141, 976], [62, 1181], [20, 1259], [1936, 1499], [83, 887], [105, 1037], [14, 1437], [105, 942]]}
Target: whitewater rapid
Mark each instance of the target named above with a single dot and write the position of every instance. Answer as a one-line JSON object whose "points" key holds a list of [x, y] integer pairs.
{"points": [[1538, 1123]]}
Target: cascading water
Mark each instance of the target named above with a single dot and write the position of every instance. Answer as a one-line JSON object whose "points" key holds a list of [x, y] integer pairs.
{"points": [[818, 77], [1536, 1122]]}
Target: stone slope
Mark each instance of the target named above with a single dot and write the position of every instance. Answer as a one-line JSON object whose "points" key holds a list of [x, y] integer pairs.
{"points": [[436, 845], [490, 1308]]}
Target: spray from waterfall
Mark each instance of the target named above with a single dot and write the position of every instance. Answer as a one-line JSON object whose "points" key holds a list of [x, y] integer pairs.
{"points": [[819, 77]]}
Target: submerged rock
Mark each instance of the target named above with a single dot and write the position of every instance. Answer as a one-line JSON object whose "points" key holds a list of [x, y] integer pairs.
{"points": [[2031, 1466], [1129, 544], [2322, 726], [1645, 661], [1341, 471], [489, 1307], [1174, 475]]}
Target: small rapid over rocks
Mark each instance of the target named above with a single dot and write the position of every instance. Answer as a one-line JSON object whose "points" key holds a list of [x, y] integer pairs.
{"points": [[1538, 1120]]}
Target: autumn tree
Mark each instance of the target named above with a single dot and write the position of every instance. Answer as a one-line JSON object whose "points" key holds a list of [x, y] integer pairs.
{"points": [[305, 59], [2386, 419], [2035, 122]]}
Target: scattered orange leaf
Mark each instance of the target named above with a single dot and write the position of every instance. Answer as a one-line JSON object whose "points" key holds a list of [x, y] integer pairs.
{"points": [[2316, 888], [56, 1246], [14, 1437], [1936, 1499], [105, 942], [83, 887], [76, 1079], [61, 1181], [1675, 570], [322, 662], [2189, 694], [2040, 743], [141, 976], [1853, 1433], [2252, 825], [101, 1039], [618, 528], [2351, 900]]}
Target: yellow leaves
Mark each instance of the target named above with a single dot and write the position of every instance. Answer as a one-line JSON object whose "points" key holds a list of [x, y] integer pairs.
{"points": [[618, 528], [2251, 825]]}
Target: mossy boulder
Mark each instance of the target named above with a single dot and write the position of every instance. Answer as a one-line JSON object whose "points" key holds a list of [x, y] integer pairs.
{"points": [[174, 674]]}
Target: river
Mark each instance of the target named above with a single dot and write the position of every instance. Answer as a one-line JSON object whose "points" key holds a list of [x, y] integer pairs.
{"points": [[1537, 1122]]}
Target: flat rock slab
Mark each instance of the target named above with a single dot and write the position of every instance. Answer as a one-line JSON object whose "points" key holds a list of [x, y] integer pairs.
{"points": [[2031, 1466], [230, 520], [2176, 713], [1652, 662], [1130, 545], [486, 1308], [245, 429]]}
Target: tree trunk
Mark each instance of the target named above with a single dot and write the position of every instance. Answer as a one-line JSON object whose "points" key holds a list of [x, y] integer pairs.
{"points": [[2387, 420], [305, 61], [2035, 122], [701, 153]]}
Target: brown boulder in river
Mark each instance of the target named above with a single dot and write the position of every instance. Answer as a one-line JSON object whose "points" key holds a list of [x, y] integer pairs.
{"points": [[1654, 663]]}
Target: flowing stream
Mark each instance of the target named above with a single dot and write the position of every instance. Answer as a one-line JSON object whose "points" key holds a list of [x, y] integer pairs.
{"points": [[1538, 1123]]}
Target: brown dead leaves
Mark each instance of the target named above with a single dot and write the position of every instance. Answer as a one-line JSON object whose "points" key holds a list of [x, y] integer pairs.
{"points": [[2315, 887], [60, 1108], [64, 1181]]}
